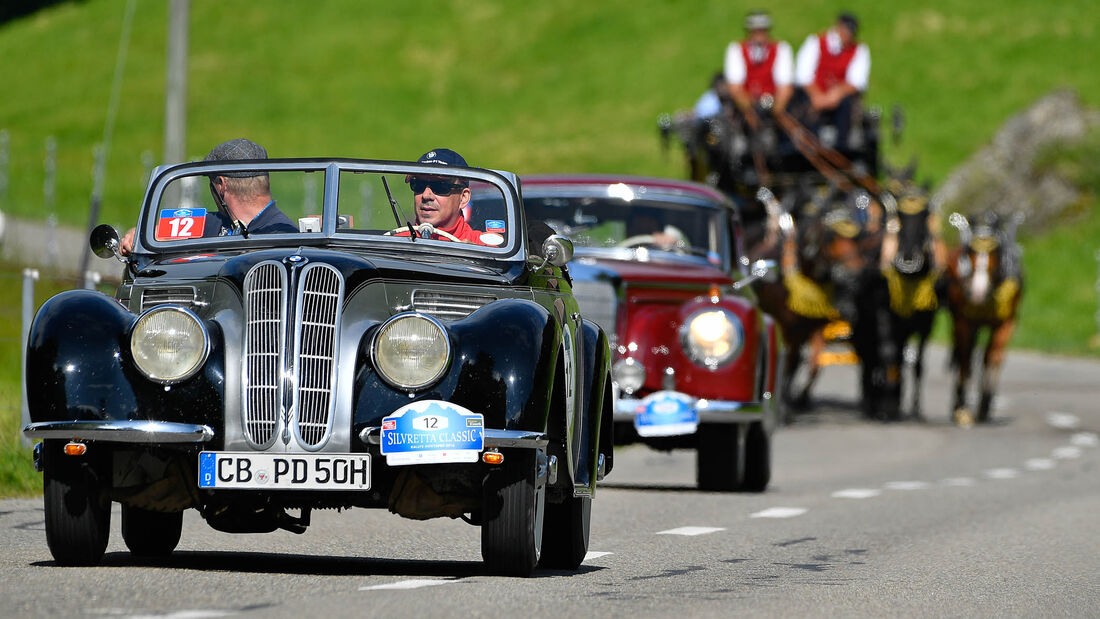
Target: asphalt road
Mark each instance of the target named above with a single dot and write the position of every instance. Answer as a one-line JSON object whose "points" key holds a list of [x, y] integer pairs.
{"points": [[861, 519]]}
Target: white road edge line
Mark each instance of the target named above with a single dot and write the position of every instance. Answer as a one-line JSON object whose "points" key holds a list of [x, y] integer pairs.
{"points": [[1039, 464], [855, 493], [414, 583], [1062, 421], [691, 531], [906, 485], [595, 554], [1085, 439], [1066, 453], [780, 512]]}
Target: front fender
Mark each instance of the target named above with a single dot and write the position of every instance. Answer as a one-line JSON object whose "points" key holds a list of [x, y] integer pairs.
{"points": [[79, 368]]}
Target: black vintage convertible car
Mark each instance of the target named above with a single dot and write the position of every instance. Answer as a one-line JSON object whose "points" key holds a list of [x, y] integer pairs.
{"points": [[361, 360]]}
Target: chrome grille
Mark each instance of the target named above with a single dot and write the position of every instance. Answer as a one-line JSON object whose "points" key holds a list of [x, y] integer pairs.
{"points": [[177, 295], [265, 322], [318, 304], [597, 302], [448, 305]]}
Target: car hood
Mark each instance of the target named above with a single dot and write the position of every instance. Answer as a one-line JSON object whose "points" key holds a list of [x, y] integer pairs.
{"points": [[356, 267], [633, 272]]}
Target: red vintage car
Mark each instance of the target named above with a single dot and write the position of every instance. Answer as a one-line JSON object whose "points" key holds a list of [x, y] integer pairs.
{"points": [[659, 265]]}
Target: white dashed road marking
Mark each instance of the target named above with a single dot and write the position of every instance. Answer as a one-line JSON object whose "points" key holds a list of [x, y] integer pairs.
{"points": [[1062, 421], [415, 583], [959, 481], [1066, 453], [1085, 439], [855, 493], [691, 531], [1002, 473], [595, 554], [905, 485], [1039, 464], [780, 512], [187, 614]]}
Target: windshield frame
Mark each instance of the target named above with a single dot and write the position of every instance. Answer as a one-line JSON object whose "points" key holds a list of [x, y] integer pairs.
{"points": [[505, 182], [726, 213]]}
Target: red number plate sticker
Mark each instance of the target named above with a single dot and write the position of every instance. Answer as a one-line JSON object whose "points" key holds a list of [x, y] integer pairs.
{"points": [[184, 223]]}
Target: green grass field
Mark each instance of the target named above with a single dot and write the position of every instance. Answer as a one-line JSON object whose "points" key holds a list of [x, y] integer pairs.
{"points": [[529, 87]]}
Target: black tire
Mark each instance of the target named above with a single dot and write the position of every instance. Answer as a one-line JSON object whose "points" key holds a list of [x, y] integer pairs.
{"points": [[565, 533], [151, 534], [758, 459], [77, 511], [511, 533], [716, 457]]}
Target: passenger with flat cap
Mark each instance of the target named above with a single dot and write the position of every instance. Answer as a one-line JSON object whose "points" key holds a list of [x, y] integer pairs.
{"points": [[440, 200], [759, 71], [244, 201]]}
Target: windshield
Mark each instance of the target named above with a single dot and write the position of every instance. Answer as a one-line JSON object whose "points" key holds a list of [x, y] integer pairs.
{"points": [[642, 229], [406, 205]]}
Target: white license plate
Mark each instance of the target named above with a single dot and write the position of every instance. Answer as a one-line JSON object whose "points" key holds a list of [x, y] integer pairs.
{"points": [[269, 471]]}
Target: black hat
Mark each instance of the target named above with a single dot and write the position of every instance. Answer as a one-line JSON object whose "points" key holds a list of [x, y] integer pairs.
{"points": [[443, 156], [849, 20], [235, 150]]}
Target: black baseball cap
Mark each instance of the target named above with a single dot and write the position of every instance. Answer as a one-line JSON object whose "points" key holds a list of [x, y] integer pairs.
{"points": [[235, 150]]}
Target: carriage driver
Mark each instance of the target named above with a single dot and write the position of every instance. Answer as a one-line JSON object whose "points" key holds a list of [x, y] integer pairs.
{"points": [[758, 68], [831, 72], [440, 200]]}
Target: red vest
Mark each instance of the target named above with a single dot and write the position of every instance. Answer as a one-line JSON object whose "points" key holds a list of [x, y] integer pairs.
{"points": [[831, 68], [758, 75]]}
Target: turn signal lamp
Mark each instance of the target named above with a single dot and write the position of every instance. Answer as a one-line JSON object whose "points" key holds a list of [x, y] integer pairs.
{"points": [[75, 449], [715, 294], [492, 457]]}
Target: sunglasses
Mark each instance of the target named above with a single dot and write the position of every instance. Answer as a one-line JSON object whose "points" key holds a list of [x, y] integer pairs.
{"points": [[438, 187]]}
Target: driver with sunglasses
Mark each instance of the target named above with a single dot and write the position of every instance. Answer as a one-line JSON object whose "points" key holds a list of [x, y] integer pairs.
{"points": [[440, 200]]}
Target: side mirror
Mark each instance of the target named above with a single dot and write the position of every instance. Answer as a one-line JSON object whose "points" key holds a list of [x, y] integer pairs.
{"points": [[104, 242], [557, 250]]}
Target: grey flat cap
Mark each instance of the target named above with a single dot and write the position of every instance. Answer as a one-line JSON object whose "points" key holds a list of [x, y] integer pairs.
{"points": [[235, 150]]}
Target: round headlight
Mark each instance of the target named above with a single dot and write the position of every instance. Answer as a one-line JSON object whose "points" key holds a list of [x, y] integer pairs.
{"points": [[628, 374], [411, 351], [712, 337], [169, 344]]}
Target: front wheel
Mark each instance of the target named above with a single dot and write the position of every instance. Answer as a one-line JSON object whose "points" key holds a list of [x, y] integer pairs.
{"points": [[513, 508], [718, 462], [151, 534], [78, 514], [758, 459], [565, 541]]}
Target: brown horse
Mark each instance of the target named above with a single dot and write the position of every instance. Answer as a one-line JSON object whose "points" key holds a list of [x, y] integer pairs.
{"points": [[984, 286], [821, 265]]}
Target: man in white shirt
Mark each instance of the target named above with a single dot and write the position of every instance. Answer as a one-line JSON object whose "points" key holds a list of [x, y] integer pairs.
{"points": [[832, 71], [759, 70]]}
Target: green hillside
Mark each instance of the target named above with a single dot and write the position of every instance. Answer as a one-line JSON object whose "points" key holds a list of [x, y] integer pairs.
{"points": [[532, 87]]}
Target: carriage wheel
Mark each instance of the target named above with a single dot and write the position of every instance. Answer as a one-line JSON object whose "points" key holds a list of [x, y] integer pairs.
{"points": [[78, 514], [513, 506], [151, 534]]}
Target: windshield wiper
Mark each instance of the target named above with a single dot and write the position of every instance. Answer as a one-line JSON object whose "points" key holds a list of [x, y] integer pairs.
{"points": [[395, 207]]}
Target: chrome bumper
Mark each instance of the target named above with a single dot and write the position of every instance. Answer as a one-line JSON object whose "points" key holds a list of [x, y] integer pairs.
{"points": [[710, 411], [493, 438], [121, 431]]}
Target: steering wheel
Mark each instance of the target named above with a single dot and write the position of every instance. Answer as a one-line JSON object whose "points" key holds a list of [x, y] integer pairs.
{"points": [[426, 227], [637, 240]]}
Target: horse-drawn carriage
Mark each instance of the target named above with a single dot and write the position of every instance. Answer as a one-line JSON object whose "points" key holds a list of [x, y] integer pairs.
{"points": [[859, 256]]}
